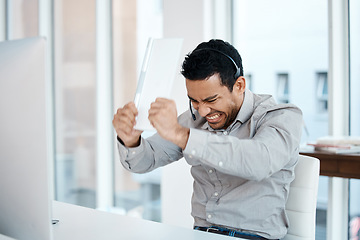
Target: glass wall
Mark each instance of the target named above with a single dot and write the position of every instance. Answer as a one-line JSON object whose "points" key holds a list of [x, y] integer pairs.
{"points": [[134, 23], [75, 106], [22, 19], [354, 209], [75, 93], [285, 51], [354, 185], [354, 25]]}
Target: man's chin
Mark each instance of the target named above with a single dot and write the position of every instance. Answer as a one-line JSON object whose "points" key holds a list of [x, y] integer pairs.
{"points": [[219, 124], [216, 126]]}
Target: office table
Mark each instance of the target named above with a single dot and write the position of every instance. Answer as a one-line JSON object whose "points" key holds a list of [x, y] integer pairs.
{"points": [[3, 237], [337, 165], [76, 222]]}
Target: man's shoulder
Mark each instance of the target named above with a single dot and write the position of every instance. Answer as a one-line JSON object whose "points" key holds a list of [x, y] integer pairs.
{"points": [[264, 104]]}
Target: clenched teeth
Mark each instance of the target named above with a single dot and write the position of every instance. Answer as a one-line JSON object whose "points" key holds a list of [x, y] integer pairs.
{"points": [[213, 117]]}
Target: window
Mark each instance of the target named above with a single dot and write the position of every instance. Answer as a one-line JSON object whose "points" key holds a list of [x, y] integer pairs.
{"points": [[74, 34], [271, 42], [354, 15], [22, 20], [75, 102], [354, 209], [134, 22], [276, 45], [283, 88], [249, 81], [322, 92], [354, 188]]}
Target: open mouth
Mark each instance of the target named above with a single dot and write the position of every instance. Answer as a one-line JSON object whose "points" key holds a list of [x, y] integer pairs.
{"points": [[214, 118]]}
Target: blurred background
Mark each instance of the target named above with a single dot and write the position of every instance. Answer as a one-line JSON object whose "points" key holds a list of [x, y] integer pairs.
{"points": [[285, 46]]}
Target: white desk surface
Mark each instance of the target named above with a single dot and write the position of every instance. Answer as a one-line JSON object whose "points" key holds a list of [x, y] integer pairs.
{"points": [[85, 223], [3, 237]]}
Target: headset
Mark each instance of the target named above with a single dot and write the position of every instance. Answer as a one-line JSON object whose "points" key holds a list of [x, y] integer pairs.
{"points": [[237, 74]]}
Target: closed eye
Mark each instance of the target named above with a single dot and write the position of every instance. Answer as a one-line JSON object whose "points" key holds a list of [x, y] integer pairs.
{"points": [[193, 100], [212, 100]]}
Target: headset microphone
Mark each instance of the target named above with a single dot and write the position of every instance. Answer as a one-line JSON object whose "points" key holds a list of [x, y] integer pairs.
{"points": [[191, 111]]}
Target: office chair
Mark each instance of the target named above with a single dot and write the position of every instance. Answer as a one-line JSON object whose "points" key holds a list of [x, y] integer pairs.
{"points": [[301, 204]]}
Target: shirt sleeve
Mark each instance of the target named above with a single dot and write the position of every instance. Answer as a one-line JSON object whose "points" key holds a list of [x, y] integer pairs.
{"points": [[276, 139], [152, 153]]}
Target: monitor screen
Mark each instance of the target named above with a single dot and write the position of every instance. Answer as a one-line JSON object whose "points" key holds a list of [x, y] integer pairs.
{"points": [[25, 204]]}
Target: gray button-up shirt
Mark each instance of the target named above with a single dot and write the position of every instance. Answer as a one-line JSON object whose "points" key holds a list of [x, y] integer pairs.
{"points": [[241, 174]]}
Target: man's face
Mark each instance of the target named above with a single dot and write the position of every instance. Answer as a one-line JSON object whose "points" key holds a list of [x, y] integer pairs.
{"points": [[214, 101]]}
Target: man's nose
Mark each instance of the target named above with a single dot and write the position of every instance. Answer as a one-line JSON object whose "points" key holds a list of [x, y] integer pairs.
{"points": [[203, 110]]}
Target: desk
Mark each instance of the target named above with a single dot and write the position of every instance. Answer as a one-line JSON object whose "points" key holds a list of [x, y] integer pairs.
{"points": [[337, 165], [85, 223], [3, 237]]}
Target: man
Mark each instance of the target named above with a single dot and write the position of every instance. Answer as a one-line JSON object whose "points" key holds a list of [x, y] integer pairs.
{"points": [[242, 147]]}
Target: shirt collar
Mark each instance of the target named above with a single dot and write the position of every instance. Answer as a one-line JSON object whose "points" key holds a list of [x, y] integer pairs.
{"points": [[247, 107], [244, 113]]}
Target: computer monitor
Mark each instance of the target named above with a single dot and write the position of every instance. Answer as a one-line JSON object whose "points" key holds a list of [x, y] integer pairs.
{"points": [[25, 203]]}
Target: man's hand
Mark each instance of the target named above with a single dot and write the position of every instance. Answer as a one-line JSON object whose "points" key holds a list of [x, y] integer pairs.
{"points": [[163, 117], [124, 122]]}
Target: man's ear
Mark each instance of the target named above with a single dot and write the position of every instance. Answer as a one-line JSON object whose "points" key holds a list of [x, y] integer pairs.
{"points": [[240, 84]]}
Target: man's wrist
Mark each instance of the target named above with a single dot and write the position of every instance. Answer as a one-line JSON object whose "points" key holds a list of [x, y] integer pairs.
{"points": [[129, 145], [120, 141], [182, 137]]}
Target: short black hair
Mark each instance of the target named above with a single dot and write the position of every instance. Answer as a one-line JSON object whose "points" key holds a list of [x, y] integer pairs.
{"points": [[202, 62]]}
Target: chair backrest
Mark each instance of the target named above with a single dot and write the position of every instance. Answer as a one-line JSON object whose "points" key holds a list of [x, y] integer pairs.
{"points": [[301, 204]]}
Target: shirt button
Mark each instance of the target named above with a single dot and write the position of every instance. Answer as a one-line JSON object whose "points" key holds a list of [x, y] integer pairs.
{"points": [[226, 133], [209, 216], [221, 164], [210, 171], [133, 152], [216, 194], [193, 152]]}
